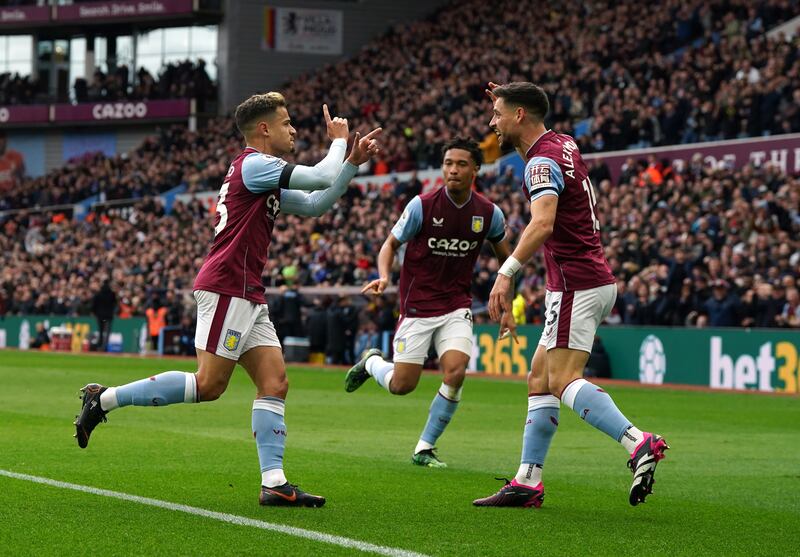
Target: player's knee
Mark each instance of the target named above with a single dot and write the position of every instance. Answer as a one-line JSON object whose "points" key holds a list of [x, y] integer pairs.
{"points": [[454, 376], [209, 388], [277, 386], [556, 384], [401, 386]]}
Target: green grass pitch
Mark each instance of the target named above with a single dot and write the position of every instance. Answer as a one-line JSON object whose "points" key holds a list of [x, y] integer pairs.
{"points": [[729, 486]]}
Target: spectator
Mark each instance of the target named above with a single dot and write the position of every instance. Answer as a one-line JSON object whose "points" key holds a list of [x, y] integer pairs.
{"points": [[723, 307], [342, 323], [156, 320], [186, 337], [286, 312], [367, 338], [42, 340], [790, 316], [317, 328], [104, 305]]}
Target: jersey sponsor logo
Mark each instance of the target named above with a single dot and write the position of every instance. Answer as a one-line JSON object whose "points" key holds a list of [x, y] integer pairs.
{"points": [[273, 202], [232, 339], [540, 177], [438, 222], [477, 224], [451, 246]]}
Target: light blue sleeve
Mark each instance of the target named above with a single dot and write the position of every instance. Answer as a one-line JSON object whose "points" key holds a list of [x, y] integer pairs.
{"points": [[497, 230], [262, 172], [314, 204], [410, 222], [543, 177]]}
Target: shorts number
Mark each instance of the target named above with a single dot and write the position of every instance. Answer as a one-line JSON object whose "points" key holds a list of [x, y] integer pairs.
{"points": [[589, 189], [222, 210]]}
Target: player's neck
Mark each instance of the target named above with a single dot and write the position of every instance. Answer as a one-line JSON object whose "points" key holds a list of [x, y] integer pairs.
{"points": [[260, 145], [528, 137], [458, 197]]}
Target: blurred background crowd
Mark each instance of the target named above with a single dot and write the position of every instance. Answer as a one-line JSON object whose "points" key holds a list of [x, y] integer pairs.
{"points": [[695, 245]]}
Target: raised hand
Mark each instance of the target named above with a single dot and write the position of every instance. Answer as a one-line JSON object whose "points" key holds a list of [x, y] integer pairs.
{"points": [[364, 148], [337, 127], [375, 287], [491, 86]]}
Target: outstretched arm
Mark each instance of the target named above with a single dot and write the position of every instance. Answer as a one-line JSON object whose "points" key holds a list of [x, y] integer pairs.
{"points": [[323, 174], [316, 203], [544, 182], [538, 230], [385, 259]]}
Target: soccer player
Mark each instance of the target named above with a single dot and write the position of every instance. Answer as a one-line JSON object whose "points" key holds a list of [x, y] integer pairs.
{"points": [[444, 231], [580, 293], [233, 321]]}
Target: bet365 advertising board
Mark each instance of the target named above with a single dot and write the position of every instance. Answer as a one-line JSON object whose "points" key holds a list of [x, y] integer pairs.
{"points": [[765, 360]]}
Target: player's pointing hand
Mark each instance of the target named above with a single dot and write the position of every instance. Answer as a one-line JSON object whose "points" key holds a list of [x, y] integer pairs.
{"points": [[499, 301], [376, 286], [364, 148], [337, 127]]}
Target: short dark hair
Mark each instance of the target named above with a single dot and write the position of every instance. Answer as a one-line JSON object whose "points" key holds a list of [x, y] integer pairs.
{"points": [[465, 144], [257, 106], [527, 95]]}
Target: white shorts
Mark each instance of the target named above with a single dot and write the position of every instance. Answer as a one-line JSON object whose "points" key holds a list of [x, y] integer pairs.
{"points": [[228, 326], [451, 331], [572, 318]]}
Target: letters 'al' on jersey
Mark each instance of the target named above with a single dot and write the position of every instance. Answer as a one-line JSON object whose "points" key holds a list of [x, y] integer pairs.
{"points": [[437, 271], [243, 228], [574, 257]]}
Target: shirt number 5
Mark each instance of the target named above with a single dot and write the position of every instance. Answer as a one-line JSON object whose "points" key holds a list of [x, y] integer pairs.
{"points": [[222, 210]]}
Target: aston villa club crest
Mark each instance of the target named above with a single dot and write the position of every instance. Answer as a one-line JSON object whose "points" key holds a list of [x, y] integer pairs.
{"points": [[400, 345], [477, 224], [232, 339]]}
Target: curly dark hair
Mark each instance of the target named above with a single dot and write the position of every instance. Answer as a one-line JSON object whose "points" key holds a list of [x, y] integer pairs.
{"points": [[466, 144]]}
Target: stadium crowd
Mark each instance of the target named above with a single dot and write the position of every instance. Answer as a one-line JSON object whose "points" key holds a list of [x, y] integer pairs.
{"points": [[175, 156], [699, 246], [710, 73], [176, 80]]}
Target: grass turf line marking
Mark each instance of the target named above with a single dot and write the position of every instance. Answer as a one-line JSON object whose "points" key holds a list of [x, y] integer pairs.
{"points": [[223, 517]]}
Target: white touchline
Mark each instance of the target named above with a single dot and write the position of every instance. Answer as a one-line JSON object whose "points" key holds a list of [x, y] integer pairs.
{"points": [[223, 517]]}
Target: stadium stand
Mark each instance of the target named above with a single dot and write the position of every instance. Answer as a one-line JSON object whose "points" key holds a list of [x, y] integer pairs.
{"points": [[706, 246], [698, 245], [162, 162], [177, 80], [714, 74]]}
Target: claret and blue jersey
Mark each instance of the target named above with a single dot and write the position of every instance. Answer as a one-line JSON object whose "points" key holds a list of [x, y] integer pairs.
{"points": [[443, 243], [574, 257]]}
